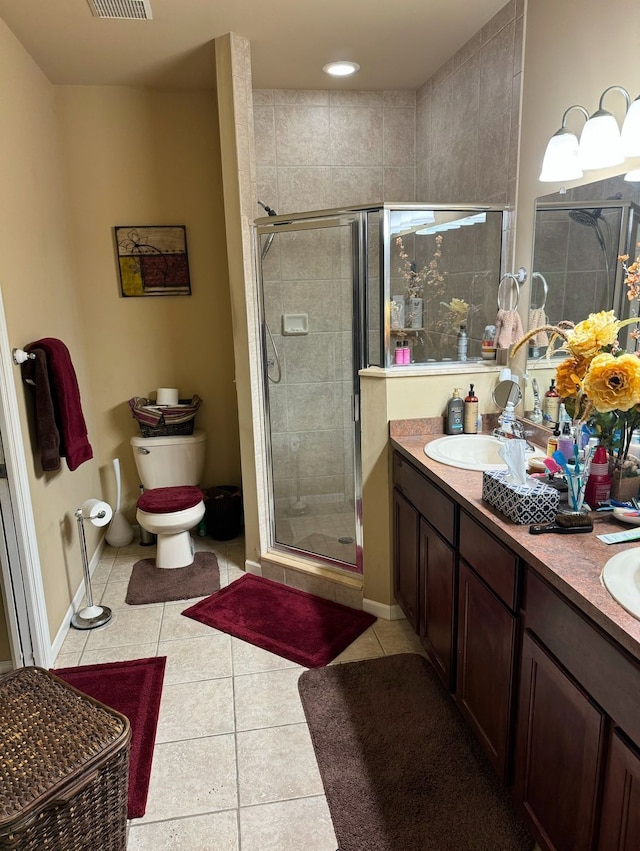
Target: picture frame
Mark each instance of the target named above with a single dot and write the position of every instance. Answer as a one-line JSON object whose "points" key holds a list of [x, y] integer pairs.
{"points": [[152, 260]]}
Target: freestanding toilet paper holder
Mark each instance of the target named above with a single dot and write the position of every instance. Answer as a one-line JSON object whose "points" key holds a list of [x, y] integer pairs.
{"points": [[91, 616]]}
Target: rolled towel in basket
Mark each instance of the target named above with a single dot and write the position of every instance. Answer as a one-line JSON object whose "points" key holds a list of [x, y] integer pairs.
{"points": [[149, 414]]}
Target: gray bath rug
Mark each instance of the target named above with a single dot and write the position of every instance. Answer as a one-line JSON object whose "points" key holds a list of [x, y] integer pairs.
{"points": [[151, 584]]}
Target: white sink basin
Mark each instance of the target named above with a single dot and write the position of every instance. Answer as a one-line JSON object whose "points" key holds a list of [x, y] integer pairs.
{"points": [[621, 578], [467, 451]]}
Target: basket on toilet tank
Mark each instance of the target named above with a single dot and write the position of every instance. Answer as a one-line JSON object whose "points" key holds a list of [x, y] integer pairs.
{"points": [[165, 420]]}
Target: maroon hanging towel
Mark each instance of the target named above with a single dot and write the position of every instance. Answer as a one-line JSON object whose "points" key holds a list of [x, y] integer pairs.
{"points": [[65, 393]]}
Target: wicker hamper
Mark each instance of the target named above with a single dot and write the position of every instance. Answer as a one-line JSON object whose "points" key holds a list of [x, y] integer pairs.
{"points": [[64, 767]]}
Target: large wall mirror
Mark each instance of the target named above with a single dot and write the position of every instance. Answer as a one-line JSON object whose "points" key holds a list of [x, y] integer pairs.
{"points": [[578, 236]]}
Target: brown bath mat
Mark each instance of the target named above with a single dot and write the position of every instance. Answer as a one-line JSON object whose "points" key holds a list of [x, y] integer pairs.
{"points": [[151, 584]]}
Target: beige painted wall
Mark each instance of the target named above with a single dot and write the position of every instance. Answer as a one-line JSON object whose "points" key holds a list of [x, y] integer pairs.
{"points": [[78, 161], [135, 157]]}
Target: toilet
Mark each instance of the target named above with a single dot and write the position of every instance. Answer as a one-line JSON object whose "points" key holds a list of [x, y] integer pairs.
{"points": [[170, 469]]}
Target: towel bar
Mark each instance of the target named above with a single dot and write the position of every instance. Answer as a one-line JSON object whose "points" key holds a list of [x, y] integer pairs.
{"points": [[20, 356]]}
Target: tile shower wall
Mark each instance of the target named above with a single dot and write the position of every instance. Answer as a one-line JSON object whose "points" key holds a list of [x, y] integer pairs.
{"points": [[321, 150]]}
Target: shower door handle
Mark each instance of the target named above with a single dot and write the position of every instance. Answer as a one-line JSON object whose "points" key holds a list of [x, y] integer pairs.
{"points": [[356, 407]]}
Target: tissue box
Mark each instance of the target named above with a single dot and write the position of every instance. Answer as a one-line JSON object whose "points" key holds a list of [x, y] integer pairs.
{"points": [[533, 502]]}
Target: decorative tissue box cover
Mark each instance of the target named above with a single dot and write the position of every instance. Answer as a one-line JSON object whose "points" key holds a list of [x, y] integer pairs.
{"points": [[534, 502]]}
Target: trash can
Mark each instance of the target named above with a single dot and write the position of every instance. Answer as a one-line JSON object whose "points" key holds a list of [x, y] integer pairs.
{"points": [[223, 512]]}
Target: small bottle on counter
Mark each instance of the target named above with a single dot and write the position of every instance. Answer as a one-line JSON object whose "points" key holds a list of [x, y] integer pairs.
{"points": [[398, 355], [565, 441], [599, 482], [551, 405], [470, 421], [462, 343], [406, 352], [552, 442], [455, 413]]}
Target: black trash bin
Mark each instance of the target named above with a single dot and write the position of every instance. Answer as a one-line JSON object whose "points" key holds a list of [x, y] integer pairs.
{"points": [[223, 514]]}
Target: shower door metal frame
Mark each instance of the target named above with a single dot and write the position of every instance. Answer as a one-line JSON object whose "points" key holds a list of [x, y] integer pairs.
{"points": [[357, 219]]}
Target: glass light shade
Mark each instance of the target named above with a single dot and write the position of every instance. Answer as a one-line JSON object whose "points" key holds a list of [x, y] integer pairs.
{"points": [[561, 158], [600, 144], [341, 69], [633, 176], [630, 134]]}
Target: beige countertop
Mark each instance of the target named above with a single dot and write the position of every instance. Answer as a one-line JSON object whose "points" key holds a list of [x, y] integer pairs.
{"points": [[572, 563]]}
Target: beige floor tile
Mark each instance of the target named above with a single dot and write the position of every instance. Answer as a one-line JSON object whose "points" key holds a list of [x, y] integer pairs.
{"points": [[114, 595], [128, 626], [67, 660], [366, 646], [191, 778], [121, 570], [74, 641], [248, 659], [233, 573], [397, 637], [189, 712], [176, 625], [194, 659], [288, 826], [119, 654], [276, 764], [214, 832], [101, 574], [268, 699]]}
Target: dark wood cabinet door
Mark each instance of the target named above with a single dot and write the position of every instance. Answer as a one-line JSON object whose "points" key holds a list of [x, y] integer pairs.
{"points": [[620, 823], [437, 604], [560, 742], [485, 671], [406, 565]]}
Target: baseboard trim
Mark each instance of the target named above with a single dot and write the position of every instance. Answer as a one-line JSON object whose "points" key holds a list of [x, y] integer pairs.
{"points": [[6, 667], [383, 610]]}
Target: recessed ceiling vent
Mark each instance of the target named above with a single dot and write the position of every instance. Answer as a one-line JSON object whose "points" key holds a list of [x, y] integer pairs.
{"points": [[124, 10]]}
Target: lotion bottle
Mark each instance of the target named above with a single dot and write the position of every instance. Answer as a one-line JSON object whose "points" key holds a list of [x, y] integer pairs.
{"points": [[470, 421], [455, 413], [551, 405]]}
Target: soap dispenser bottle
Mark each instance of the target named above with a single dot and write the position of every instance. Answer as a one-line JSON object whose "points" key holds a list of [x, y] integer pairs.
{"points": [[470, 421], [455, 413], [551, 405]]}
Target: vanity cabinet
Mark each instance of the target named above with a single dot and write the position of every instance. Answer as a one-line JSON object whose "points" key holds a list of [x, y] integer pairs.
{"points": [[552, 697], [620, 822], [488, 591], [424, 563], [577, 769]]}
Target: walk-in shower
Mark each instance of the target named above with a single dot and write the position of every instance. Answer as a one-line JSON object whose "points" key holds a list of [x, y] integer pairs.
{"points": [[331, 284]]}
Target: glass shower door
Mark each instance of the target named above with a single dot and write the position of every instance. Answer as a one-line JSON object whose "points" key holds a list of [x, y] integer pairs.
{"points": [[311, 348]]}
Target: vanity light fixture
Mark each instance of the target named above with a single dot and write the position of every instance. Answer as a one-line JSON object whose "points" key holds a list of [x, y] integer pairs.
{"points": [[602, 143], [561, 157], [341, 69]]}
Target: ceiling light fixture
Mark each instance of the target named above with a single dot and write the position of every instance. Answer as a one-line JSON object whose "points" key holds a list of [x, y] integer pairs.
{"points": [[602, 143], [341, 69]]}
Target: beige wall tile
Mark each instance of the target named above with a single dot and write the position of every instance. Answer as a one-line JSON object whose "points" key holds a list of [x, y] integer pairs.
{"points": [[356, 136], [302, 135]]}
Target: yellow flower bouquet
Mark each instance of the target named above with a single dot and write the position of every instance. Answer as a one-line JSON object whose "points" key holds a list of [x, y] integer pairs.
{"points": [[598, 381]]}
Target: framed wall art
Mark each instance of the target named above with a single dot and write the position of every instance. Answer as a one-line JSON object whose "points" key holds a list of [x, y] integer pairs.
{"points": [[152, 260]]}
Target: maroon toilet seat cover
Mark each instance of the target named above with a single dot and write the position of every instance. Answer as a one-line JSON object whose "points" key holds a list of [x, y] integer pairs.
{"points": [[166, 500]]}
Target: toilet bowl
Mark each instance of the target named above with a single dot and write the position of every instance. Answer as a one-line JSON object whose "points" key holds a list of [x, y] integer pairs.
{"points": [[169, 513], [170, 468]]}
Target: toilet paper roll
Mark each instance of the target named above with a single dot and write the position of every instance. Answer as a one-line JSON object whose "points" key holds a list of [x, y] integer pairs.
{"points": [[97, 511], [167, 396]]}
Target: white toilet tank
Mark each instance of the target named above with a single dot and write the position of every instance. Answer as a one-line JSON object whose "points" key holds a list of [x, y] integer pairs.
{"points": [[163, 462]]}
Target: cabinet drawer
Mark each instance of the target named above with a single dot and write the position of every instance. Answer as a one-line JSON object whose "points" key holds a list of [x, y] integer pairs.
{"points": [[430, 501], [603, 669], [491, 560]]}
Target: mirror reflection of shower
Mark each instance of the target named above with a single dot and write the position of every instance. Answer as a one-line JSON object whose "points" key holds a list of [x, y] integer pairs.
{"points": [[265, 249], [592, 219]]}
